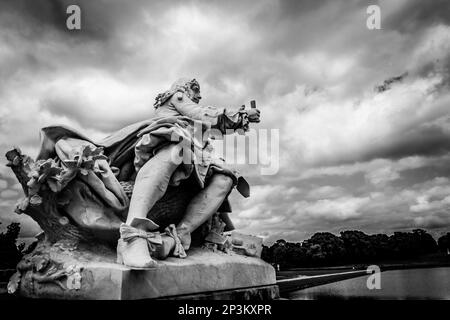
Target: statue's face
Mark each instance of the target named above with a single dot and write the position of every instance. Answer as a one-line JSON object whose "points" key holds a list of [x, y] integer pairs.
{"points": [[195, 93]]}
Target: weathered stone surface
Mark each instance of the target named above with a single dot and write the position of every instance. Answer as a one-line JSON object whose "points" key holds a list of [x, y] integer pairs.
{"points": [[202, 271], [247, 244], [69, 274]]}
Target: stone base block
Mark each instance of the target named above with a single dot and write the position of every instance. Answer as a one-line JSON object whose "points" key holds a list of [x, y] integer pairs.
{"points": [[202, 275]]}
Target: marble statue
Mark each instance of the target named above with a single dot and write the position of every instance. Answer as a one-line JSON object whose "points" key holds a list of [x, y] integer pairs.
{"points": [[149, 190]]}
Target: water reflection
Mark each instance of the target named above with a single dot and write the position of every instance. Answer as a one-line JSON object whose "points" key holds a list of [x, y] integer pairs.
{"points": [[430, 283]]}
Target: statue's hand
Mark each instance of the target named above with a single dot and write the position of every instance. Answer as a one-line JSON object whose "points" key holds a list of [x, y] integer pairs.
{"points": [[253, 115]]}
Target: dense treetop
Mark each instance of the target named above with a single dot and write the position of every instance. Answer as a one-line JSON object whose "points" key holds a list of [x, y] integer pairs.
{"points": [[353, 246]]}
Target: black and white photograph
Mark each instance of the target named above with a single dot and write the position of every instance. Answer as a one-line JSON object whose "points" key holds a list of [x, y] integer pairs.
{"points": [[256, 152]]}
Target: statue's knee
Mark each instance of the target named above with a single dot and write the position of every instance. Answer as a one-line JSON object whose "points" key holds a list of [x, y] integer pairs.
{"points": [[222, 183]]}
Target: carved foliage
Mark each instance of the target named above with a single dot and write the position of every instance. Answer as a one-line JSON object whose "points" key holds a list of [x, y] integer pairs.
{"points": [[42, 182], [44, 270]]}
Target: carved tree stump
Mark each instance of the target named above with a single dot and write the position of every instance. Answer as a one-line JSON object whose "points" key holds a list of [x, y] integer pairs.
{"points": [[40, 201]]}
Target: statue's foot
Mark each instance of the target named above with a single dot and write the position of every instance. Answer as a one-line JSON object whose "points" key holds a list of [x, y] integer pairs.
{"points": [[135, 254], [165, 249], [133, 245], [185, 239], [185, 236], [171, 244]]}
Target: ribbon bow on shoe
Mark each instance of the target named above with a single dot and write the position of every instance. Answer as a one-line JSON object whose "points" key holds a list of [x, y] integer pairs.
{"points": [[178, 250], [155, 244], [137, 243], [128, 234]]}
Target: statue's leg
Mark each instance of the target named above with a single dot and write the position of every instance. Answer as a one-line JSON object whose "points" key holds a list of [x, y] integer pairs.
{"points": [[150, 185], [203, 206], [151, 182]]}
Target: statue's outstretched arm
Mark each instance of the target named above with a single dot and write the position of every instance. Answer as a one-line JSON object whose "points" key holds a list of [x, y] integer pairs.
{"points": [[219, 118]]}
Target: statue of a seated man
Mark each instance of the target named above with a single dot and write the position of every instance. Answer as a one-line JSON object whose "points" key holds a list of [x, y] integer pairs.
{"points": [[146, 158]]}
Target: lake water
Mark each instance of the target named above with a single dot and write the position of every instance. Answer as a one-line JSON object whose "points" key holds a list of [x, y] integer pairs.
{"points": [[430, 283]]}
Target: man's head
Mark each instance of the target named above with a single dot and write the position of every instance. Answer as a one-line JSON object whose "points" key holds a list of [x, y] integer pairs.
{"points": [[191, 86]]}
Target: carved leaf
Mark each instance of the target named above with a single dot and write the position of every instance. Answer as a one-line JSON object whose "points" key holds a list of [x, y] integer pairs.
{"points": [[44, 172], [35, 200], [14, 282], [71, 164], [86, 159], [54, 185], [33, 186], [73, 281], [49, 170]]}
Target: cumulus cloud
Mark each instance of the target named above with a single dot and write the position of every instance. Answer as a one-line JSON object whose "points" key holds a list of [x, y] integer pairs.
{"points": [[435, 198], [3, 184], [325, 192], [7, 194], [336, 209]]}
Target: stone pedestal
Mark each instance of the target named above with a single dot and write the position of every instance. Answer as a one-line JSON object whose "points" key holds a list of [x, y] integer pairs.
{"points": [[202, 275]]}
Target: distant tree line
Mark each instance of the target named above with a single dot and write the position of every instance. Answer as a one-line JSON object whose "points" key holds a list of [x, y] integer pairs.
{"points": [[10, 251], [352, 247]]}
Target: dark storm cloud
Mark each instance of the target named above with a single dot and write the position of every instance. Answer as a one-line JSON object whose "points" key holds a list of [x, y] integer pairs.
{"points": [[427, 140], [288, 26], [416, 15], [29, 26], [99, 43], [42, 15], [39, 13]]}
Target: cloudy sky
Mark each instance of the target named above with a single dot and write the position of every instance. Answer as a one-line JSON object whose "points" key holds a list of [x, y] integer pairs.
{"points": [[351, 156]]}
